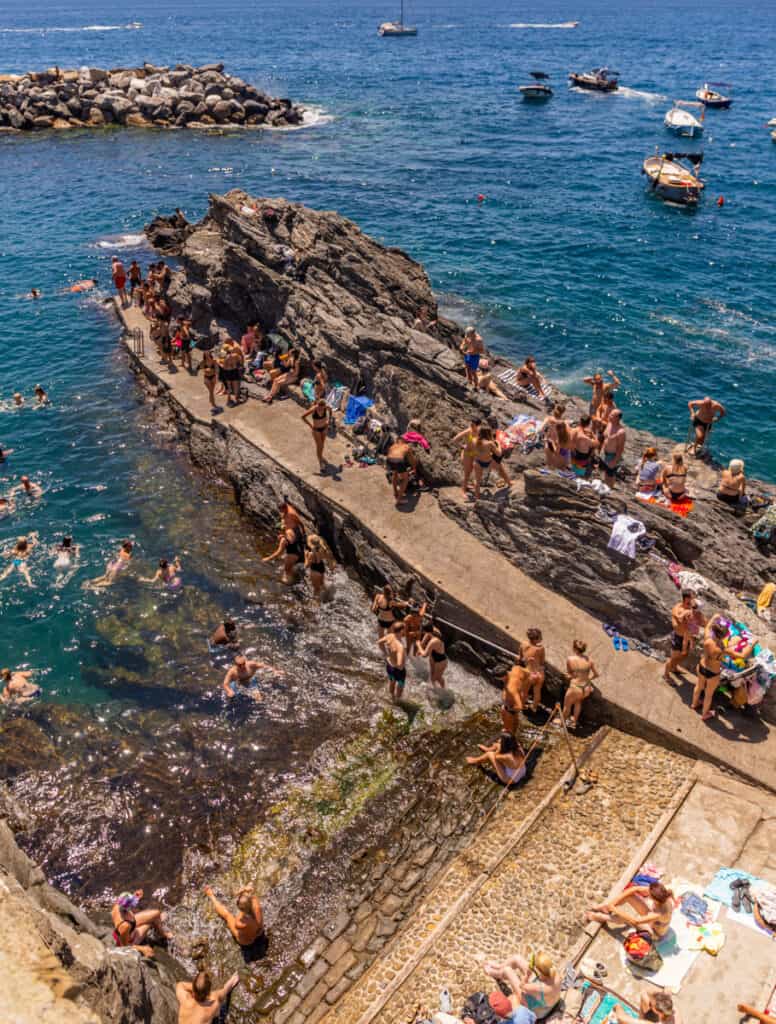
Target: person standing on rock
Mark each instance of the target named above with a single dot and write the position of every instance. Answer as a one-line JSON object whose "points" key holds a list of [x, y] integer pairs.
{"points": [[709, 667], [432, 646], [516, 684], [317, 557], [400, 459], [209, 376], [385, 606], [395, 654], [684, 614], [473, 349], [583, 445], [290, 548], [704, 413], [198, 1003], [247, 926], [581, 672], [320, 380], [613, 447], [533, 656], [487, 451], [135, 278], [318, 419], [469, 438], [596, 382], [119, 276]]}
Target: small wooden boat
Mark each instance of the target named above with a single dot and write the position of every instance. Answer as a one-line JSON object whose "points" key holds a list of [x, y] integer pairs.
{"points": [[709, 97], [679, 119], [539, 90], [397, 28], [597, 80], [672, 180]]}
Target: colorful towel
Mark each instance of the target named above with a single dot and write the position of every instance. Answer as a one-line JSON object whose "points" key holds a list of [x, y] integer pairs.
{"points": [[595, 1012], [679, 508]]}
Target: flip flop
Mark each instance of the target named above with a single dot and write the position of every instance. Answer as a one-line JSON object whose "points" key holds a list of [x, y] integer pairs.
{"points": [[624, 645], [609, 629], [616, 640], [746, 899]]}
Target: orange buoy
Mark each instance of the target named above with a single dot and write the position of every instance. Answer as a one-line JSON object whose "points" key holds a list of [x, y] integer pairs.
{"points": [[480, 198], [721, 201]]}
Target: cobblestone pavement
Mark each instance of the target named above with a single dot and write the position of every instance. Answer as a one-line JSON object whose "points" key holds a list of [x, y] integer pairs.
{"points": [[534, 898]]}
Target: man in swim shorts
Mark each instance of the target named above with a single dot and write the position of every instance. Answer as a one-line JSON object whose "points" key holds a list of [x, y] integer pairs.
{"points": [[613, 447], [704, 413], [198, 1003], [243, 673], [395, 654], [683, 614], [516, 684], [119, 275], [473, 349]]}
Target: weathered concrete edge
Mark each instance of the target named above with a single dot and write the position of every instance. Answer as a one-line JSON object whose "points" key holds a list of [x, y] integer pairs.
{"points": [[470, 891], [613, 713]]}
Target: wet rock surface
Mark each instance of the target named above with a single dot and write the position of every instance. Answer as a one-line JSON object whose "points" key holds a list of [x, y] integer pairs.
{"points": [[149, 96], [315, 279]]}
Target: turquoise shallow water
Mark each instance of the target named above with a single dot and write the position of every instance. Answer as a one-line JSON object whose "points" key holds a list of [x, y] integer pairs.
{"points": [[567, 257]]}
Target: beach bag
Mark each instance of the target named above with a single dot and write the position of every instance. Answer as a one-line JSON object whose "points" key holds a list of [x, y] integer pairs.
{"points": [[359, 427], [641, 952], [479, 1009]]}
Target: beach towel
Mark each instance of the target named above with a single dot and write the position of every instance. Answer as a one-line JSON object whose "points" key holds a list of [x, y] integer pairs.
{"points": [[522, 432], [679, 508], [597, 1006], [356, 408], [308, 389], [719, 889]]}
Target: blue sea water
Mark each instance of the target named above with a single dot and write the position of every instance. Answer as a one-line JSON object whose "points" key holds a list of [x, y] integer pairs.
{"points": [[567, 257]]}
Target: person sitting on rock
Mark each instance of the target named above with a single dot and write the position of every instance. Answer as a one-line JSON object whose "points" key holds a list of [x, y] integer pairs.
{"points": [[486, 381], [198, 1003], [539, 981], [423, 321], [675, 479], [649, 474], [283, 378], [529, 379], [247, 926], [130, 928], [506, 759], [732, 484]]}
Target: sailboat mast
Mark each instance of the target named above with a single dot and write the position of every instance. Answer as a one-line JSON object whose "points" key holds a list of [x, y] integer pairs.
{"points": [[401, 16]]}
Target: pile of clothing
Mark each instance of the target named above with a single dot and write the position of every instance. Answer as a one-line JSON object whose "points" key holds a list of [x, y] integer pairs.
{"points": [[522, 433], [756, 672], [764, 527]]}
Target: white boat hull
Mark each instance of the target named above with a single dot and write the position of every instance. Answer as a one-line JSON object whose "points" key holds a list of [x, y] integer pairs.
{"points": [[682, 123], [395, 28]]}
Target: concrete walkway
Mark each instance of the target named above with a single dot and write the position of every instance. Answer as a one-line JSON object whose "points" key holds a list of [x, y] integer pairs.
{"points": [[478, 578]]}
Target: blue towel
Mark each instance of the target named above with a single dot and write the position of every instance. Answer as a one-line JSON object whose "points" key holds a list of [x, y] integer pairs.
{"points": [[719, 887], [356, 408]]}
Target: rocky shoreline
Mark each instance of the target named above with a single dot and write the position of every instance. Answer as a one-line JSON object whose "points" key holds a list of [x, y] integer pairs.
{"points": [[319, 282], [145, 97]]}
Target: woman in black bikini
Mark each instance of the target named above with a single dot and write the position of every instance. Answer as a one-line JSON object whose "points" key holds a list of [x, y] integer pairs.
{"points": [[209, 375], [320, 381], [383, 607], [675, 478], [290, 547], [318, 419], [432, 646], [184, 333], [130, 928], [316, 557]]}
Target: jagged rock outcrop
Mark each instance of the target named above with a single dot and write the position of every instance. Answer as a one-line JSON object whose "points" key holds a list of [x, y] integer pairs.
{"points": [[316, 279], [150, 96], [56, 963]]}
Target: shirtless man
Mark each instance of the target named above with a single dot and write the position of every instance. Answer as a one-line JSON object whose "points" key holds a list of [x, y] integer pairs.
{"points": [[225, 635], [657, 1006], [528, 377], [247, 926], [648, 907], [119, 275], [596, 382], [17, 687], [515, 685], [704, 413], [395, 654], [613, 447], [413, 622], [27, 487], [473, 349], [682, 616], [709, 667], [533, 656], [243, 673], [583, 445], [400, 459], [197, 1002]]}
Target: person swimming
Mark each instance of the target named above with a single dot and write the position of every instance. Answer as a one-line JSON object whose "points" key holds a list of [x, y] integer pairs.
{"points": [[168, 574], [41, 395], [18, 556], [17, 687], [115, 567], [66, 553], [243, 674]]}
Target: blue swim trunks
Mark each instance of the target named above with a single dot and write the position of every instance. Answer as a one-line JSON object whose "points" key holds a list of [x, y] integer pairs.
{"points": [[472, 360]]}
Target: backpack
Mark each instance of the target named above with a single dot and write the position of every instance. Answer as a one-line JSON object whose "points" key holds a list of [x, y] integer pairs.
{"points": [[641, 952], [479, 1009]]}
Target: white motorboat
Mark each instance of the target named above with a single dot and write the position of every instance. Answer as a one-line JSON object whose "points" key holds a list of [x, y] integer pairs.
{"points": [[397, 28], [680, 120], [672, 180], [538, 90], [710, 97]]}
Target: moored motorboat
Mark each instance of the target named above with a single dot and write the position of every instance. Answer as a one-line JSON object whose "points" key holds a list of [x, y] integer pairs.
{"points": [[710, 97], [539, 89], [680, 120], [672, 180], [597, 80]]}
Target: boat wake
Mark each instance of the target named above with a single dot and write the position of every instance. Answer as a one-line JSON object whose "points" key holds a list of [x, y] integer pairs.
{"points": [[544, 24], [121, 242], [312, 117], [639, 94], [133, 26]]}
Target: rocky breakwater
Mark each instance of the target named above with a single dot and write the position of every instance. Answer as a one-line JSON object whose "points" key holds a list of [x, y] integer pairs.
{"points": [[316, 279], [149, 96]]}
